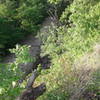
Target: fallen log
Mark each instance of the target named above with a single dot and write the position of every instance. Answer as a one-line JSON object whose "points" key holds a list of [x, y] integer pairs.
{"points": [[31, 92]]}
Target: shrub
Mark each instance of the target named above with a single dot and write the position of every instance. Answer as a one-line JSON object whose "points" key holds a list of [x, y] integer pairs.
{"points": [[69, 43], [18, 19], [31, 13], [11, 73]]}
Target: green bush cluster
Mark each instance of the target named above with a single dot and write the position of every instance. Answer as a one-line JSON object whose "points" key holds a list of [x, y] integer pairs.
{"points": [[84, 22], [79, 32], [11, 73], [19, 18], [8, 77]]}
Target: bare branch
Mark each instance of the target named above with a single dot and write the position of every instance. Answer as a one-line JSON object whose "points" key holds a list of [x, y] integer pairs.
{"points": [[32, 79]]}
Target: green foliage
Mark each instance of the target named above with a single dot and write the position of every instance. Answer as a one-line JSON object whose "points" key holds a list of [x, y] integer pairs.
{"points": [[71, 42], [65, 44], [9, 34], [85, 23], [54, 1], [57, 7], [8, 79], [84, 29], [18, 19], [11, 73], [22, 54], [31, 13]]}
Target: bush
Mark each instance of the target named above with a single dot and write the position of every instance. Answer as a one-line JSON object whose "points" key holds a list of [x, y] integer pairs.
{"points": [[31, 13], [18, 19], [11, 73], [68, 43]]}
